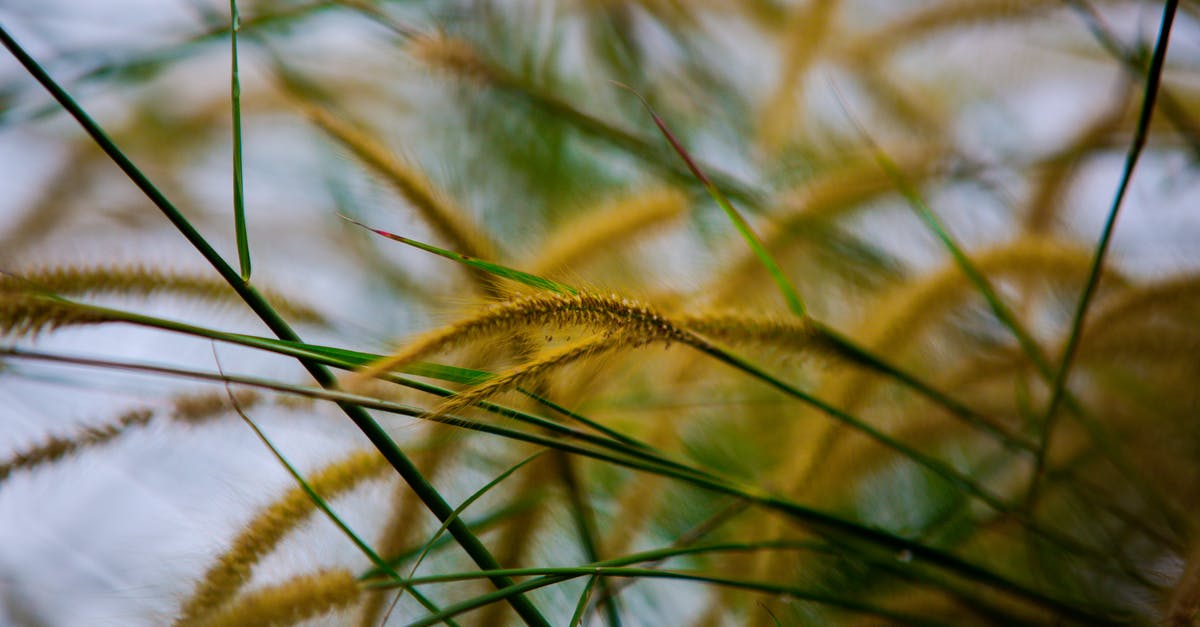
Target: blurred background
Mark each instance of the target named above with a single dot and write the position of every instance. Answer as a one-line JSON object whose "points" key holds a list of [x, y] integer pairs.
{"points": [[1013, 119]]}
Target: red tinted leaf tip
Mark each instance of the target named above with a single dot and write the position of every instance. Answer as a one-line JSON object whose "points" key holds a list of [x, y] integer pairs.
{"points": [[662, 126]]}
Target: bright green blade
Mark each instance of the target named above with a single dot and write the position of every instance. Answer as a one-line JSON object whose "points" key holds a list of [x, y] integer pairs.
{"points": [[239, 196], [494, 269], [794, 303], [355, 359], [463, 507]]}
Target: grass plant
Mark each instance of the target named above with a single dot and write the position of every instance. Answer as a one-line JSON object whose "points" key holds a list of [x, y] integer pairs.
{"points": [[769, 344]]}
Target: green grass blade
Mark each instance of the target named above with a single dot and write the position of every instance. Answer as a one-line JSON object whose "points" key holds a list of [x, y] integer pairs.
{"points": [[404, 466], [584, 597], [317, 500], [1141, 132], [380, 563], [1168, 102], [491, 268], [462, 507], [239, 197], [790, 296], [584, 517]]}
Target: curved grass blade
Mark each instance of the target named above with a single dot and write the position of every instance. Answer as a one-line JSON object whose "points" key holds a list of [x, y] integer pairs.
{"points": [[239, 197], [584, 597], [491, 268], [317, 500], [1141, 132], [790, 296], [475, 496], [372, 555]]}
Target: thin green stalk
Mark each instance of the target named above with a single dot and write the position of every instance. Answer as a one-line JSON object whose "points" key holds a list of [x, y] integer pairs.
{"points": [[317, 500], [553, 576], [584, 518], [794, 303], [239, 198], [259, 305], [815, 519], [1142, 131], [462, 507], [1135, 64], [584, 597], [496, 269]]}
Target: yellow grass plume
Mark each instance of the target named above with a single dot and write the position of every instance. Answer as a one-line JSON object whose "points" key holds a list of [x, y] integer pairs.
{"points": [[607, 313], [450, 222], [809, 27], [55, 447], [598, 230], [298, 599], [263, 533], [138, 280]]}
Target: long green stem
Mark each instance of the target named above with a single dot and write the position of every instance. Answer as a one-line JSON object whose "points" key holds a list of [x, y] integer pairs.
{"points": [[553, 576], [1175, 111], [239, 196], [817, 520], [617, 567], [790, 295], [1059, 386], [259, 305]]}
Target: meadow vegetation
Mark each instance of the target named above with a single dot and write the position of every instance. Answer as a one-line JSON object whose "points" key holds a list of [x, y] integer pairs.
{"points": [[624, 312]]}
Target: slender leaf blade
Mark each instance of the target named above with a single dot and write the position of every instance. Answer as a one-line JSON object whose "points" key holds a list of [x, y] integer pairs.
{"points": [[494, 269], [239, 195]]}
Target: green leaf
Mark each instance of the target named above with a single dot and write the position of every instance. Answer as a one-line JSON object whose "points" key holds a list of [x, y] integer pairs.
{"points": [[239, 197], [494, 269], [794, 303]]}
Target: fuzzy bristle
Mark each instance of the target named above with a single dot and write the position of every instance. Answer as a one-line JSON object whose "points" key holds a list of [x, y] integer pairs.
{"points": [[262, 534]]}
